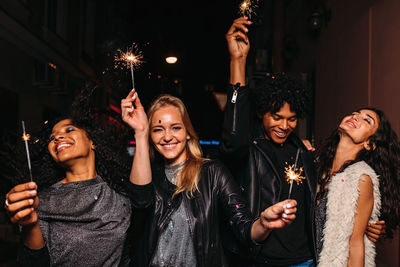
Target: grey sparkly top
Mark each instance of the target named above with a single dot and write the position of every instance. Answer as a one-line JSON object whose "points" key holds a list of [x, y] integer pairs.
{"points": [[175, 244], [320, 219], [85, 223]]}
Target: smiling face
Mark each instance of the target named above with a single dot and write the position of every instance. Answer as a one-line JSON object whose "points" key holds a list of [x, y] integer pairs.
{"points": [[68, 142], [169, 134], [278, 126], [360, 126]]}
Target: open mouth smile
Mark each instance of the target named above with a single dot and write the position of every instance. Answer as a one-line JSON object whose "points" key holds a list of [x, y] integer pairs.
{"points": [[62, 146]]}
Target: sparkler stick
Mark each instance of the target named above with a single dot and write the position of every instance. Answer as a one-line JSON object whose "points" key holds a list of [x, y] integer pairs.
{"points": [[133, 77], [26, 137]]}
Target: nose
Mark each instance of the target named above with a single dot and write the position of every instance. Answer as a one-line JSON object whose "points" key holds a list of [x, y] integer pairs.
{"points": [[284, 125], [167, 136], [58, 137], [356, 116]]}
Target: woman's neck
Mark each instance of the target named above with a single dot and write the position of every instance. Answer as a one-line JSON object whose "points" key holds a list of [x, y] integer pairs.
{"points": [[79, 171], [346, 151]]}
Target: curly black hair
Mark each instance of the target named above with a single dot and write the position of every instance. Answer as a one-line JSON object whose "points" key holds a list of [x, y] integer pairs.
{"points": [[271, 93], [384, 159], [112, 162]]}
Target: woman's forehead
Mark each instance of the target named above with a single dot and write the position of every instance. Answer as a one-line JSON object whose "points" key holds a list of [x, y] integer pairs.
{"points": [[62, 123]]}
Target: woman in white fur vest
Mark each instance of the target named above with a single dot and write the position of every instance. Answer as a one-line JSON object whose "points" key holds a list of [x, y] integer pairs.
{"points": [[358, 183]]}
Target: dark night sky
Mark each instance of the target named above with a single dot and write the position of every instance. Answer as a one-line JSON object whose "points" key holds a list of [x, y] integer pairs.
{"points": [[195, 32]]}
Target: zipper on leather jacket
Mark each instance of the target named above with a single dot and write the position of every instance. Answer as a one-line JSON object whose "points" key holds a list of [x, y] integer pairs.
{"points": [[235, 92], [233, 101]]}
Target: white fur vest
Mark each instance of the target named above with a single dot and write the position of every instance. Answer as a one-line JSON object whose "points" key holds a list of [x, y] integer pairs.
{"points": [[343, 193]]}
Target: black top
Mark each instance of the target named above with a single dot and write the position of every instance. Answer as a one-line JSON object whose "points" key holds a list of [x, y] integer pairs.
{"points": [[278, 250]]}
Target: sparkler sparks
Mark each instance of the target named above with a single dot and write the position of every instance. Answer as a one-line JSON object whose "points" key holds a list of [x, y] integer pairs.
{"points": [[293, 174], [26, 138], [247, 8], [132, 59]]}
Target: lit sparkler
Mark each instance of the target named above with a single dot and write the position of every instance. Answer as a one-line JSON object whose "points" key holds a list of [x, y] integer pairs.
{"points": [[293, 174], [132, 59], [247, 8], [26, 138]]}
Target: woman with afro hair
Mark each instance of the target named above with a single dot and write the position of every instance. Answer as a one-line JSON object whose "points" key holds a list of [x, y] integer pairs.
{"points": [[77, 212]]}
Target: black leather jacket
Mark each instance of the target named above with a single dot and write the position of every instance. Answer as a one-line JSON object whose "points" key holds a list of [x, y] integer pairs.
{"points": [[218, 196], [248, 158]]}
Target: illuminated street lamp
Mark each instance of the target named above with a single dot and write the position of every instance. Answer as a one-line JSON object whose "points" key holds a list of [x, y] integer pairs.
{"points": [[171, 60]]}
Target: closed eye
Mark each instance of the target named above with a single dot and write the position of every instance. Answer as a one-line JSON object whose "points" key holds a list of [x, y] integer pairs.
{"points": [[69, 129]]}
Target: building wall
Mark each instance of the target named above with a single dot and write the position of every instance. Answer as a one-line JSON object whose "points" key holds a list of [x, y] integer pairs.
{"points": [[358, 64]]}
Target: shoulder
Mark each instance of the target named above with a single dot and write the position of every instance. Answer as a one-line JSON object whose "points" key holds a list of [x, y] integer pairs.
{"points": [[214, 165], [360, 168]]}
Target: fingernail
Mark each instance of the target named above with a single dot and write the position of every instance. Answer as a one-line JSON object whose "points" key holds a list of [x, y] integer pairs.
{"points": [[31, 185], [284, 215], [287, 211], [288, 206], [30, 201], [32, 193]]}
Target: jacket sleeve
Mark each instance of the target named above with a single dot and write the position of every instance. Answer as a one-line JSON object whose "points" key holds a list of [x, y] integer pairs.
{"points": [[234, 206], [141, 196], [236, 125], [33, 257]]}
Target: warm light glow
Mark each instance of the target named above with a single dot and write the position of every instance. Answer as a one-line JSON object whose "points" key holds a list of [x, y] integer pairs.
{"points": [[26, 137], [294, 175], [247, 8], [171, 60], [52, 65], [131, 58]]}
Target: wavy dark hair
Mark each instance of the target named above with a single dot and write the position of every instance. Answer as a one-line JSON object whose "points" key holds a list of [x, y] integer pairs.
{"points": [[384, 159], [271, 93], [112, 162]]}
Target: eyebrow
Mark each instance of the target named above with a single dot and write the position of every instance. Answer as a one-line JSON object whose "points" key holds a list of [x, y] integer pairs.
{"points": [[371, 117], [64, 125], [280, 116]]}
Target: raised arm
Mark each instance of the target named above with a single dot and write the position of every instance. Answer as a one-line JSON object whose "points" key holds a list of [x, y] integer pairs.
{"points": [[235, 132], [238, 46], [134, 115], [364, 209]]}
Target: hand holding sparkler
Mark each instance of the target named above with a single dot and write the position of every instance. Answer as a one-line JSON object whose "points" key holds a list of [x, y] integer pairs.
{"points": [[236, 37], [274, 217], [133, 113]]}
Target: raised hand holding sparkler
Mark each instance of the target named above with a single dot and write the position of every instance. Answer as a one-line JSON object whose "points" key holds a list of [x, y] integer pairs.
{"points": [[293, 174], [26, 138], [132, 59]]}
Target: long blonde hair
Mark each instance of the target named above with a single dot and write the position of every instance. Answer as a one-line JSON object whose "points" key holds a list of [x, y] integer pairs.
{"points": [[189, 175]]}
